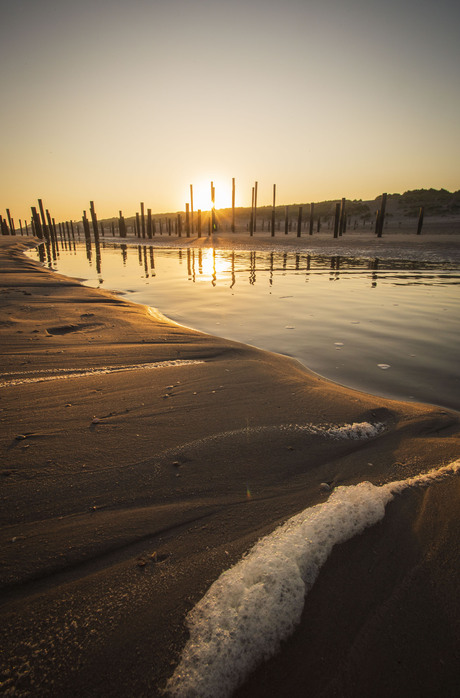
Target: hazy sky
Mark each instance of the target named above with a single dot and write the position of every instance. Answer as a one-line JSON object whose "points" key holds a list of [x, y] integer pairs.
{"points": [[122, 101]]}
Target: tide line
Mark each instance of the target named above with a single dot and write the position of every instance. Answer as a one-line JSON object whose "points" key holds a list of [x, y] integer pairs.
{"points": [[63, 373]]}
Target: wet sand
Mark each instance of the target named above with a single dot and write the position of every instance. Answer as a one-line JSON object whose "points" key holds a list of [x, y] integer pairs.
{"points": [[124, 496]]}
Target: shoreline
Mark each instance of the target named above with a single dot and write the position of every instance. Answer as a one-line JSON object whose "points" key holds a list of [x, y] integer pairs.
{"points": [[125, 521], [436, 246]]}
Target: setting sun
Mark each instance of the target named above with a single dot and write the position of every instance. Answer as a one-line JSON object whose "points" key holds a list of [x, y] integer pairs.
{"points": [[202, 194]]}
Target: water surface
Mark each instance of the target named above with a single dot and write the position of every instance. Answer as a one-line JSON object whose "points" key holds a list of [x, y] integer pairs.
{"points": [[389, 328]]}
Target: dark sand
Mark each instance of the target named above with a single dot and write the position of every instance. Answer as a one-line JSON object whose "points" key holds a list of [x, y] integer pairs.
{"points": [[112, 531]]}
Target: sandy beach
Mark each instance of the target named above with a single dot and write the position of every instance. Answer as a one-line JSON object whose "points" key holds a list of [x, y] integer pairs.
{"points": [[141, 459]]}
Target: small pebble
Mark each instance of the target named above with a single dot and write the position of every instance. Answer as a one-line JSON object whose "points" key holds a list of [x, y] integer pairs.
{"points": [[324, 487], [20, 437]]}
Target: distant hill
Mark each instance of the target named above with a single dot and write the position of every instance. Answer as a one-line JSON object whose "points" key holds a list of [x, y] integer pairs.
{"points": [[439, 202]]}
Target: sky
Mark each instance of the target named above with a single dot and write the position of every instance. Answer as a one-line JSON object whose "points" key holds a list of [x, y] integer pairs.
{"points": [[123, 101]]}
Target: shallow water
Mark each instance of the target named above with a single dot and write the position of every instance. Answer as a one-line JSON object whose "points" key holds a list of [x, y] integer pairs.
{"points": [[389, 328]]}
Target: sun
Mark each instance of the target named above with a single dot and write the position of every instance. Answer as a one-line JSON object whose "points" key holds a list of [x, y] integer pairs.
{"points": [[202, 194]]}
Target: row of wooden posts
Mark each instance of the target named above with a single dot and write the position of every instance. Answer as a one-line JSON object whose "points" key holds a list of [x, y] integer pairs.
{"points": [[45, 228]]}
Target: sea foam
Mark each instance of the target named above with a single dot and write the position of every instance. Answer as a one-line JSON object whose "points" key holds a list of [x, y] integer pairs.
{"points": [[53, 374], [255, 605]]}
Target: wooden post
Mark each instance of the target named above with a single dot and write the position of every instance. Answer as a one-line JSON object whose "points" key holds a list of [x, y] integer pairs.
{"points": [[377, 221], [149, 223], [312, 212], [233, 204], [187, 220], [94, 221], [36, 220], [142, 219], [52, 230], [286, 220], [381, 218], [255, 207], [336, 220], [342, 218], [191, 209], [46, 232], [273, 211], [179, 225], [420, 219], [299, 222], [10, 221], [251, 220], [213, 211], [122, 225], [199, 222], [86, 231]]}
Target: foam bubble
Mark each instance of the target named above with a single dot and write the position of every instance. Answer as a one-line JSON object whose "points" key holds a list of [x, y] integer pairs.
{"points": [[255, 605], [61, 373]]}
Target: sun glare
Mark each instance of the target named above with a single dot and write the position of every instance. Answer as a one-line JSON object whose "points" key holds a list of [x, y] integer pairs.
{"points": [[202, 194], [212, 264]]}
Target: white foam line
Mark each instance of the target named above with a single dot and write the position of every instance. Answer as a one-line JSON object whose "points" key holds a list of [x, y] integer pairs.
{"points": [[61, 373], [255, 605]]}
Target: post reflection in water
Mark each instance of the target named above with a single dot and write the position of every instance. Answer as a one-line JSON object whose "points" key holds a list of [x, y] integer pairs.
{"points": [[409, 320]]}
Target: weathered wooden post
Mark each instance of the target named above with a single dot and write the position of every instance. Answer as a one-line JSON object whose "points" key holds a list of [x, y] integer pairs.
{"points": [[149, 223], [187, 220], [94, 221], [381, 217], [299, 222], [199, 222], [122, 225], [377, 220], [11, 222], [233, 204], [342, 217], [46, 232], [286, 220], [87, 235], [255, 207], [179, 226], [312, 212], [273, 211], [37, 224], [251, 220], [213, 207], [191, 209], [336, 220], [420, 219], [142, 219]]}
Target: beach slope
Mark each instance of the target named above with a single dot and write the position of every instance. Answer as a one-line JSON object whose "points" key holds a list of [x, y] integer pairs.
{"points": [[140, 459]]}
